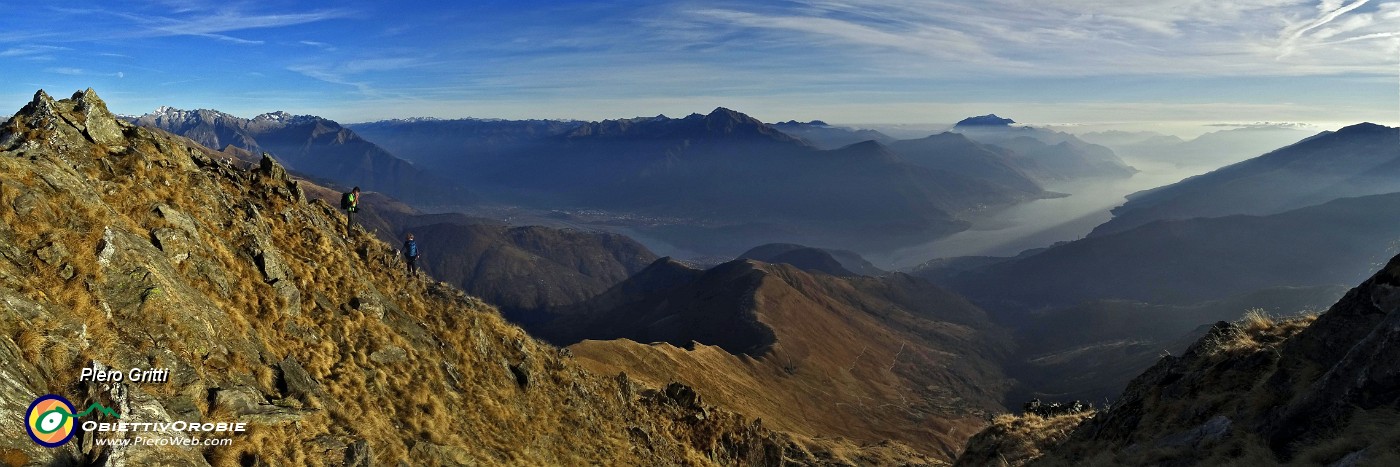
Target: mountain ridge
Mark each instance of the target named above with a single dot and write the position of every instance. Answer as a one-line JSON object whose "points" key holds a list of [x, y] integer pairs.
{"points": [[1357, 160], [313, 146]]}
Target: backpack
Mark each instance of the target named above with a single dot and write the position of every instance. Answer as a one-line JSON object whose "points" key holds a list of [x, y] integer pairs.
{"points": [[411, 249], [345, 202]]}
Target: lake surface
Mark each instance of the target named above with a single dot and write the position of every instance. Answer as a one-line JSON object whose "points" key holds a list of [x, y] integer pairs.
{"points": [[1039, 223]]}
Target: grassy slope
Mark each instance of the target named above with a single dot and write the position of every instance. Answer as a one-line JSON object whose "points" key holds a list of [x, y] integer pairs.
{"points": [[861, 361]]}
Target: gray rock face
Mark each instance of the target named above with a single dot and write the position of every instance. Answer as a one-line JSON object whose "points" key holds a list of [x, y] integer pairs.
{"points": [[20, 384], [389, 355], [1293, 390], [250, 405], [298, 383], [100, 125], [1358, 341]]}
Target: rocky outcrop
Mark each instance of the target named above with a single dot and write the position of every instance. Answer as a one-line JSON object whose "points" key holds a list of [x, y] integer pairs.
{"points": [[1317, 392]]}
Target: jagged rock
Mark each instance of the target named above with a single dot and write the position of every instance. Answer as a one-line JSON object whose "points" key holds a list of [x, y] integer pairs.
{"points": [[27, 204], [34, 119], [269, 263], [522, 375], [105, 249], [388, 355], [53, 254], [327, 447], [101, 126], [274, 270], [20, 382], [270, 168], [250, 405], [682, 395], [175, 243], [134, 406], [359, 454], [368, 305], [178, 219], [23, 308], [290, 296], [297, 382], [281, 182]]}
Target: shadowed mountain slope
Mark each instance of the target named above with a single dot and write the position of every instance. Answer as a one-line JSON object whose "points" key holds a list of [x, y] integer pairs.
{"points": [[1262, 392], [1358, 160], [1189, 261]]}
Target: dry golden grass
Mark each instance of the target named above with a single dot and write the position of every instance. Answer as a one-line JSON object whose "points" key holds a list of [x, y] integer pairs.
{"points": [[1013, 440], [1257, 330]]}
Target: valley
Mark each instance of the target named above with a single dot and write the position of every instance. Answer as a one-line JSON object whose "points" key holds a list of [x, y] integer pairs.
{"points": [[693, 234], [1001, 304], [648, 286], [1038, 223]]}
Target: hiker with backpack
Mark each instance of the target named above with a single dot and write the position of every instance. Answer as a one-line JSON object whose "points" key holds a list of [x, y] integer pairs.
{"points": [[410, 255], [350, 202]]}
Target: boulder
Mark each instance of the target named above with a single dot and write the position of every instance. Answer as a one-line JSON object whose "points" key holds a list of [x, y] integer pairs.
{"points": [[296, 382], [358, 454], [389, 355], [99, 124]]}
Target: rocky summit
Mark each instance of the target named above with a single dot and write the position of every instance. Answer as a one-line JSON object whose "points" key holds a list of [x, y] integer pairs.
{"points": [[125, 247]]}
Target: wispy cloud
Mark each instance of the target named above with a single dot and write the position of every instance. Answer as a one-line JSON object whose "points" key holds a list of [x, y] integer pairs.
{"points": [[33, 52], [1330, 11], [1070, 37], [73, 71], [334, 76], [319, 45], [212, 21], [216, 24]]}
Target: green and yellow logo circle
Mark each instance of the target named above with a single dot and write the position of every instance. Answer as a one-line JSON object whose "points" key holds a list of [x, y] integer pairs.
{"points": [[49, 421]]}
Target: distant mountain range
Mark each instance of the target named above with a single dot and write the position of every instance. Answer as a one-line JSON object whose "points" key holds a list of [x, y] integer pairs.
{"points": [[723, 182], [824, 136], [1058, 155], [312, 146], [1358, 160], [1214, 149], [1102, 308], [718, 183]]}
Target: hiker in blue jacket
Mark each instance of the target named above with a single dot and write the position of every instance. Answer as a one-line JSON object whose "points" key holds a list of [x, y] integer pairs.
{"points": [[410, 255]]}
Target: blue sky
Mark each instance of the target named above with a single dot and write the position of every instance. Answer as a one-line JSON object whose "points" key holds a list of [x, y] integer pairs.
{"points": [[888, 61]]}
